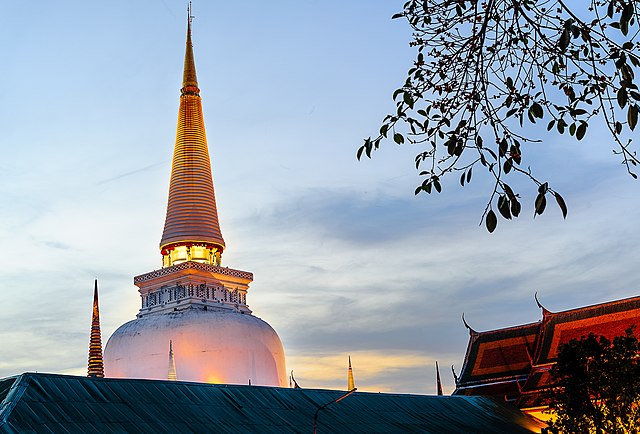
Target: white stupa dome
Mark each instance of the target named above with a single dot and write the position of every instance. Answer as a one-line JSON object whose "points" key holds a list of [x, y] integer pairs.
{"points": [[213, 345]]}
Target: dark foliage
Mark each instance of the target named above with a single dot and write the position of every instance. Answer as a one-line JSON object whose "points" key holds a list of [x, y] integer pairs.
{"points": [[597, 386]]}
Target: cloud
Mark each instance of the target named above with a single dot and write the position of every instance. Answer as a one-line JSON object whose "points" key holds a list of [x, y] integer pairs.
{"points": [[354, 217], [56, 245], [132, 172], [404, 291]]}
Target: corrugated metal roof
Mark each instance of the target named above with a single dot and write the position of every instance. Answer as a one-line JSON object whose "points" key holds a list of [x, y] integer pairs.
{"points": [[60, 403]]}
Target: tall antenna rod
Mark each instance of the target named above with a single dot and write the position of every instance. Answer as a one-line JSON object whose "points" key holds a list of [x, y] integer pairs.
{"points": [[189, 13]]}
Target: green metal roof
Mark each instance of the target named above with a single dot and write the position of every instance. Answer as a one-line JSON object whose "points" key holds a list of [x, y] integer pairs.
{"points": [[51, 403]]}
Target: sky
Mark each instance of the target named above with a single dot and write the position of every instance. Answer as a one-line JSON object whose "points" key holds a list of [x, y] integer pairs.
{"points": [[346, 260]]}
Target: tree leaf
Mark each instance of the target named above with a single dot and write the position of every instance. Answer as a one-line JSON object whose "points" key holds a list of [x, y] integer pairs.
{"points": [[632, 116], [503, 147], [508, 191], [491, 221], [408, 100], [565, 38], [610, 8], [541, 203], [582, 129], [561, 204], [627, 11], [398, 138], [508, 164], [503, 207], [536, 110], [515, 207], [622, 97], [451, 145]]}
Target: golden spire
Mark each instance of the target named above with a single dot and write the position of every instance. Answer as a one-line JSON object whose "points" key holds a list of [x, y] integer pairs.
{"points": [[350, 383], [95, 366], [171, 376], [191, 228]]}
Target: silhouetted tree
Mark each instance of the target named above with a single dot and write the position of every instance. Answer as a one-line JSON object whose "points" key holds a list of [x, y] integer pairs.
{"points": [[486, 68], [597, 386]]}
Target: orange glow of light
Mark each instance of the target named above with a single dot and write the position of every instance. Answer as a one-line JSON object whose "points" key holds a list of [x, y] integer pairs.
{"points": [[541, 413], [330, 370], [213, 379]]}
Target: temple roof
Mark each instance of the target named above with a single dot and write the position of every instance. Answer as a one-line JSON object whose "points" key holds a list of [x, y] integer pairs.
{"points": [[516, 361], [497, 359], [609, 319], [192, 215], [62, 403]]}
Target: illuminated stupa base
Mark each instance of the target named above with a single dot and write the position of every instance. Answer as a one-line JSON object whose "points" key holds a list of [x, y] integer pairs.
{"points": [[213, 346], [202, 309]]}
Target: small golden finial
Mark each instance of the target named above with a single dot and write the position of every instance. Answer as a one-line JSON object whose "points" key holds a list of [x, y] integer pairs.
{"points": [[351, 384]]}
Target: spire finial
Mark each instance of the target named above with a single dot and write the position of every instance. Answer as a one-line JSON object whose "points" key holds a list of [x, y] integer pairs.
{"points": [[189, 79], [471, 331], [455, 377], [95, 367], [171, 375], [295, 383], [438, 382], [351, 384], [544, 309]]}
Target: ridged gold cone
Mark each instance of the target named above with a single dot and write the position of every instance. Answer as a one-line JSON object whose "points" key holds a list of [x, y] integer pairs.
{"points": [[192, 215], [351, 384]]}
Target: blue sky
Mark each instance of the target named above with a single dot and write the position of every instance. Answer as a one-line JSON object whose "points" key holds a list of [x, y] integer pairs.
{"points": [[346, 259]]}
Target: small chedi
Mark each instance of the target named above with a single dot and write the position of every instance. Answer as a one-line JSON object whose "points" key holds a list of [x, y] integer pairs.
{"points": [[194, 310]]}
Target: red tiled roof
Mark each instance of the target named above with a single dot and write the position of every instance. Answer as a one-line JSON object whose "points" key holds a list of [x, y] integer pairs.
{"points": [[496, 359], [609, 319], [516, 361]]}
